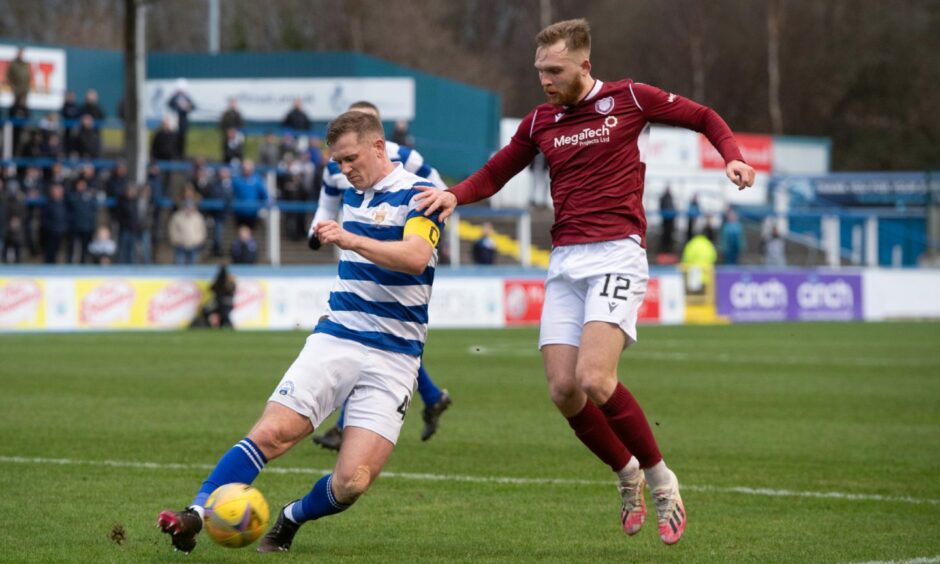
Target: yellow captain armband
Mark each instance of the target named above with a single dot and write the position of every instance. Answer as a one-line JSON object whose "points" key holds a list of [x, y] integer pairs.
{"points": [[424, 228]]}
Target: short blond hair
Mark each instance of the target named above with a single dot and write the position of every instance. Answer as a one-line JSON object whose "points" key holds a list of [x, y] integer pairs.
{"points": [[575, 33], [356, 122]]}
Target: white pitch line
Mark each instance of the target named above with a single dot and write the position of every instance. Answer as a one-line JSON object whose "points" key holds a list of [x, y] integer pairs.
{"points": [[767, 492], [922, 560], [724, 357]]}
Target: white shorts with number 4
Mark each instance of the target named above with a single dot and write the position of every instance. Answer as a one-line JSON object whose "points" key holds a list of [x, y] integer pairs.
{"points": [[379, 384], [593, 282]]}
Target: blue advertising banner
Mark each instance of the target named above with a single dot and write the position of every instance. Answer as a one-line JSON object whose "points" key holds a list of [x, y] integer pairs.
{"points": [[751, 295], [860, 189]]}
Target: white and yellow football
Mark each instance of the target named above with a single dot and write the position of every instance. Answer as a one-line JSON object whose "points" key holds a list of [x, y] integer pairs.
{"points": [[236, 515]]}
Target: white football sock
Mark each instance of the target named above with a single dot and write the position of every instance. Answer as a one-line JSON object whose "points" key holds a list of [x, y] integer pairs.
{"points": [[628, 472], [659, 476], [200, 510]]}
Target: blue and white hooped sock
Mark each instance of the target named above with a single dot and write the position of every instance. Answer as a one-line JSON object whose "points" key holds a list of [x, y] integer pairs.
{"points": [[242, 464], [320, 502]]}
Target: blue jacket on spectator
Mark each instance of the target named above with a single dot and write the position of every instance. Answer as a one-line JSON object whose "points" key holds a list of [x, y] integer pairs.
{"points": [[250, 194], [83, 211]]}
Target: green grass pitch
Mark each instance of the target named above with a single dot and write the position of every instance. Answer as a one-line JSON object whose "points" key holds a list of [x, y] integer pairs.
{"points": [[793, 443]]}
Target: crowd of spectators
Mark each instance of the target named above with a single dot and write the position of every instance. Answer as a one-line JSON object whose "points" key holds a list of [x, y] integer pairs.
{"points": [[60, 203]]}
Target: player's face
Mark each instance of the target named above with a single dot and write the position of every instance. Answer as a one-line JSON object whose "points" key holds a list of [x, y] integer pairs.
{"points": [[360, 158], [562, 73]]}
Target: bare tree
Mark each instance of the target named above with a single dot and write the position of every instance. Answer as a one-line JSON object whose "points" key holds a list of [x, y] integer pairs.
{"points": [[774, 23]]}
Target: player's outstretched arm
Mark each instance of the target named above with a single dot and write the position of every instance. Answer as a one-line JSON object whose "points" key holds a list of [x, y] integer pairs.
{"points": [[431, 200], [741, 173], [410, 255]]}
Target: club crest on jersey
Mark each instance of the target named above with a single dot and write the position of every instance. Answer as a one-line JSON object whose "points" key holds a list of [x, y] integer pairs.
{"points": [[605, 105], [379, 214]]}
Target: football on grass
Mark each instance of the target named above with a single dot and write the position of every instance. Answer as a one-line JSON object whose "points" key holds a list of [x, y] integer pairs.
{"points": [[236, 515]]}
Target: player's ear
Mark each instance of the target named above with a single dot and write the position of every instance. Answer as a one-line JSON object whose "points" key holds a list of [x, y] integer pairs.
{"points": [[379, 145], [586, 65]]}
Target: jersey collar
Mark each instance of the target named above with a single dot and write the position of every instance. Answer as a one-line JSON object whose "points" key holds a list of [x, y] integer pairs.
{"points": [[389, 179]]}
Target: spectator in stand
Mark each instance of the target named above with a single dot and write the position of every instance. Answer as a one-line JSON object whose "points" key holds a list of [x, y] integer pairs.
{"points": [[233, 146], [32, 148], [117, 182], [90, 106], [55, 223], [201, 178], [775, 251], [70, 113], [33, 189], [290, 189], [220, 194], [187, 232], [159, 201], [401, 135], [19, 114], [127, 212], [244, 248], [163, 146], [181, 103], [90, 175], [231, 117], [52, 147], [19, 76], [249, 194], [269, 151], [83, 218], [49, 125], [732, 243], [102, 248], [87, 138], [11, 230], [667, 210], [484, 250], [692, 214], [296, 119], [145, 210]]}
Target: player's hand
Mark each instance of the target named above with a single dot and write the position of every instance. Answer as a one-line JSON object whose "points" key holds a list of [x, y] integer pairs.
{"points": [[741, 173], [331, 232], [312, 240], [431, 200]]}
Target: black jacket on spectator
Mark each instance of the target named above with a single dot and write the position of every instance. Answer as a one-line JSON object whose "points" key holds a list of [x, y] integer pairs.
{"points": [[128, 215], [88, 143], [83, 211], [297, 119], [231, 118], [55, 217], [163, 147], [92, 109]]}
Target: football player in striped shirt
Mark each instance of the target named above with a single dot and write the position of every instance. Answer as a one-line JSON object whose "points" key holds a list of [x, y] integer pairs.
{"points": [[594, 135], [366, 349], [435, 400]]}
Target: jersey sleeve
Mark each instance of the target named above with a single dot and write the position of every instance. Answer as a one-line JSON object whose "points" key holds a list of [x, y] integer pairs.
{"points": [[416, 223], [506, 163], [663, 107], [330, 197]]}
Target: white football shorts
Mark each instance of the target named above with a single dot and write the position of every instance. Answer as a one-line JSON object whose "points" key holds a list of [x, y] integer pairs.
{"points": [[593, 282], [379, 384]]}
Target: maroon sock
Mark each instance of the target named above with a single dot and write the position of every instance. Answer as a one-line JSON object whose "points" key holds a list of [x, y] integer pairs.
{"points": [[626, 418], [590, 426]]}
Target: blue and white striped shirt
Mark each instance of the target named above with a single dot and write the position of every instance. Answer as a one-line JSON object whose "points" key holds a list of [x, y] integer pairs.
{"points": [[335, 182], [369, 304]]}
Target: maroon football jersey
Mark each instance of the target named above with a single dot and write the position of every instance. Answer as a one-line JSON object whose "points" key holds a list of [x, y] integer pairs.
{"points": [[595, 152]]}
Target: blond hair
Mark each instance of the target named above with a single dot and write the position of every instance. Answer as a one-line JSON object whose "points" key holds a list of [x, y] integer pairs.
{"points": [[575, 33], [356, 122]]}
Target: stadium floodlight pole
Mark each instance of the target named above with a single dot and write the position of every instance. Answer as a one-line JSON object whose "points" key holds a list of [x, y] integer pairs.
{"points": [[213, 22], [135, 71]]}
